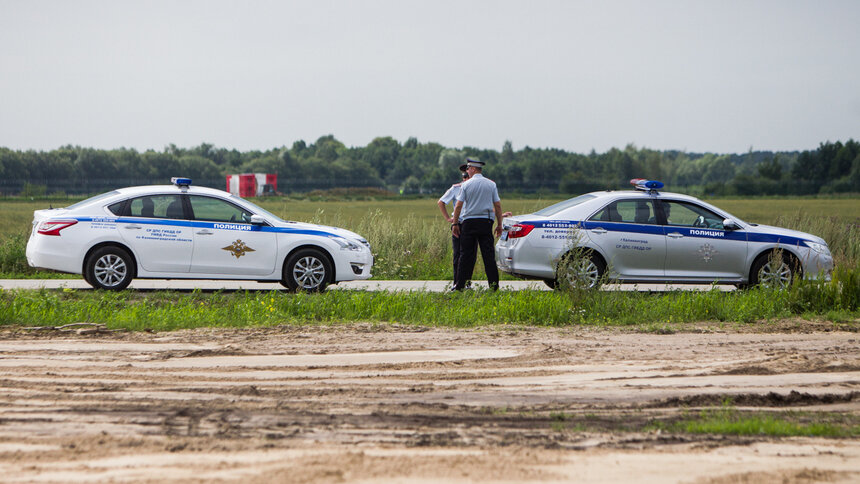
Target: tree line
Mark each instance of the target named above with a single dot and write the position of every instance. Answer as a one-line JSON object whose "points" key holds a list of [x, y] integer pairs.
{"points": [[415, 167]]}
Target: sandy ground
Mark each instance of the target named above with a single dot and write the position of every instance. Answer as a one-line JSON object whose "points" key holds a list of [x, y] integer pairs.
{"points": [[366, 403]]}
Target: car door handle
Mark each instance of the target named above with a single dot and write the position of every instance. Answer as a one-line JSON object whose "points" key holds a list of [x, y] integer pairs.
{"points": [[133, 226], [205, 232], [675, 235], [598, 230]]}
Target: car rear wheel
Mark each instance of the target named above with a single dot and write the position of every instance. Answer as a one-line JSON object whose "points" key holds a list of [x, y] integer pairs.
{"points": [[307, 270], [774, 271], [579, 270], [109, 268]]}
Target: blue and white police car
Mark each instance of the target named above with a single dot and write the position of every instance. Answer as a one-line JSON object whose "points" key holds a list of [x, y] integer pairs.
{"points": [[184, 232], [645, 235]]}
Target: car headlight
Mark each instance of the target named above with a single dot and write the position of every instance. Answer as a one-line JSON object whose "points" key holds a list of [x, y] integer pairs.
{"points": [[346, 244], [820, 248]]}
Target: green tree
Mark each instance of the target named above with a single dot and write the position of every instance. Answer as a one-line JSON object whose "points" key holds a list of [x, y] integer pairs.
{"points": [[771, 169], [507, 155], [382, 154], [199, 168]]}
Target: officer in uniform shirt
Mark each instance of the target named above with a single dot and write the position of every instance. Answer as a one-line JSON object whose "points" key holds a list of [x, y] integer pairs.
{"points": [[478, 204], [451, 195]]}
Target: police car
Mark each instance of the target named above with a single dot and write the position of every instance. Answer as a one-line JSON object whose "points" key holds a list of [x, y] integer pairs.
{"points": [[645, 235], [183, 232]]}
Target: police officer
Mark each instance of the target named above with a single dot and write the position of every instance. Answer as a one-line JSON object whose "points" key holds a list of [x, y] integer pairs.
{"points": [[451, 195], [478, 204]]}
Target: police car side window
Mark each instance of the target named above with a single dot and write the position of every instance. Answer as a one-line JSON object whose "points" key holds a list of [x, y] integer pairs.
{"points": [[156, 206], [627, 211], [691, 215], [215, 210], [608, 213], [117, 208]]}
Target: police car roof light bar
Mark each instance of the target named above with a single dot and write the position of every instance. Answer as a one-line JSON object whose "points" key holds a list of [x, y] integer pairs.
{"points": [[651, 186], [181, 182]]}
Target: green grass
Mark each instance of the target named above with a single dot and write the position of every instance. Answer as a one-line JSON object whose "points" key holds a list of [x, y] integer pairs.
{"points": [[727, 420], [165, 310]]}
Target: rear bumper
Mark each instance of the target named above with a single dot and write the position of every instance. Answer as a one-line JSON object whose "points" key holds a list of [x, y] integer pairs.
{"points": [[48, 252]]}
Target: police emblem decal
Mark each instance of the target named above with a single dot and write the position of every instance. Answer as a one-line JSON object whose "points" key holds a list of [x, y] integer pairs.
{"points": [[237, 248], [708, 252]]}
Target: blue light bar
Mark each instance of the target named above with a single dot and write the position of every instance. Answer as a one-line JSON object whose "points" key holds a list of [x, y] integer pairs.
{"points": [[643, 184], [181, 182]]}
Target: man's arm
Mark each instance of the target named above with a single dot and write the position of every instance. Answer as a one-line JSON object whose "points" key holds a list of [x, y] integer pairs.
{"points": [[497, 207], [456, 218], [444, 209]]}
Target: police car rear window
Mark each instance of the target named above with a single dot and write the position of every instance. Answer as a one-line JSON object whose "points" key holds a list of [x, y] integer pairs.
{"points": [[558, 207], [92, 199]]}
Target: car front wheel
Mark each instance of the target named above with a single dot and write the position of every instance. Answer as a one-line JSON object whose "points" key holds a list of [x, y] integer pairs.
{"points": [[774, 271], [109, 268], [307, 270]]}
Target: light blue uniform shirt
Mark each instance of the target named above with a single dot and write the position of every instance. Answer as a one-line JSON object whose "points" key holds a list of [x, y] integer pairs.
{"points": [[451, 195], [478, 195]]}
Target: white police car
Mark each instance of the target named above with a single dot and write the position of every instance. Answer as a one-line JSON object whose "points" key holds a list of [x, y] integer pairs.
{"points": [[183, 232], [647, 236]]}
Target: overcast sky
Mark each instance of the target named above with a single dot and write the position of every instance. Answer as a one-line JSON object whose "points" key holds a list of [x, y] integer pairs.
{"points": [[721, 76]]}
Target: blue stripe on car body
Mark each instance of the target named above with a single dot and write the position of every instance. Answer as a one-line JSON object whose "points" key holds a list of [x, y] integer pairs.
{"points": [[207, 225], [705, 233]]}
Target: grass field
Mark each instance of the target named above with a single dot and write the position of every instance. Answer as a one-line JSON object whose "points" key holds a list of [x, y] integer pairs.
{"points": [[412, 241]]}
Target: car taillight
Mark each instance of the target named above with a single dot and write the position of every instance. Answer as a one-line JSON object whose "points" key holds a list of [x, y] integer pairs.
{"points": [[519, 230], [53, 227]]}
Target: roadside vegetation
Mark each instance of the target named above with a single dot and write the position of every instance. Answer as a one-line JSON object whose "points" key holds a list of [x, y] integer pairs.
{"points": [[837, 300]]}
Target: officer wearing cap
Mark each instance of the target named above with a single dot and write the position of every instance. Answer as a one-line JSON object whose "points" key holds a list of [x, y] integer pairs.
{"points": [[449, 196], [478, 204]]}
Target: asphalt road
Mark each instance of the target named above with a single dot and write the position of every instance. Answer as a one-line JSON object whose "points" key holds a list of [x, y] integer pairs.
{"points": [[370, 285]]}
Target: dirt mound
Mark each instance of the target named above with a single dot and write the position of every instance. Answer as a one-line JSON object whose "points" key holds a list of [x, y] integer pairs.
{"points": [[770, 399]]}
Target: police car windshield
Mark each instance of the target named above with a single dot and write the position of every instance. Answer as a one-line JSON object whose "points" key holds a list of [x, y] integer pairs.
{"points": [[260, 211], [558, 207], [92, 199]]}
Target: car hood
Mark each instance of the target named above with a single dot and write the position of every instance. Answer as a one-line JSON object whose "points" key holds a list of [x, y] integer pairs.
{"points": [[322, 230], [771, 230]]}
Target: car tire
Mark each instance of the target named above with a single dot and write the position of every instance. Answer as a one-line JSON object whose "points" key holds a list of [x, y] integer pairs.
{"points": [[110, 268], [777, 274], [307, 270], [580, 271]]}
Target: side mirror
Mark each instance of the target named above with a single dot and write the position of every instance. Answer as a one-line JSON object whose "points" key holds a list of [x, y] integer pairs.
{"points": [[257, 220], [730, 224]]}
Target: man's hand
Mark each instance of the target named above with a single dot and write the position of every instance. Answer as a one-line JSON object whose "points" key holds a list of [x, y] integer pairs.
{"points": [[498, 231], [455, 230]]}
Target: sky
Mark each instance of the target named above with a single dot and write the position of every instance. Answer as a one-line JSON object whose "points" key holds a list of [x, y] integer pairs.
{"points": [[700, 76]]}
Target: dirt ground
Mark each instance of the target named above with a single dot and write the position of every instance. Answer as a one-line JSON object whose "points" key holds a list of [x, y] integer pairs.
{"points": [[379, 404]]}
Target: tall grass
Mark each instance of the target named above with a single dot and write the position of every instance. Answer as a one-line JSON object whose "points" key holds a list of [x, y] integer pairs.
{"points": [[404, 248], [411, 241], [843, 237]]}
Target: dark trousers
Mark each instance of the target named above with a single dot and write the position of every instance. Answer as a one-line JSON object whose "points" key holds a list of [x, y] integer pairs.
{"points": [[455, 244], [474, 233]]}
